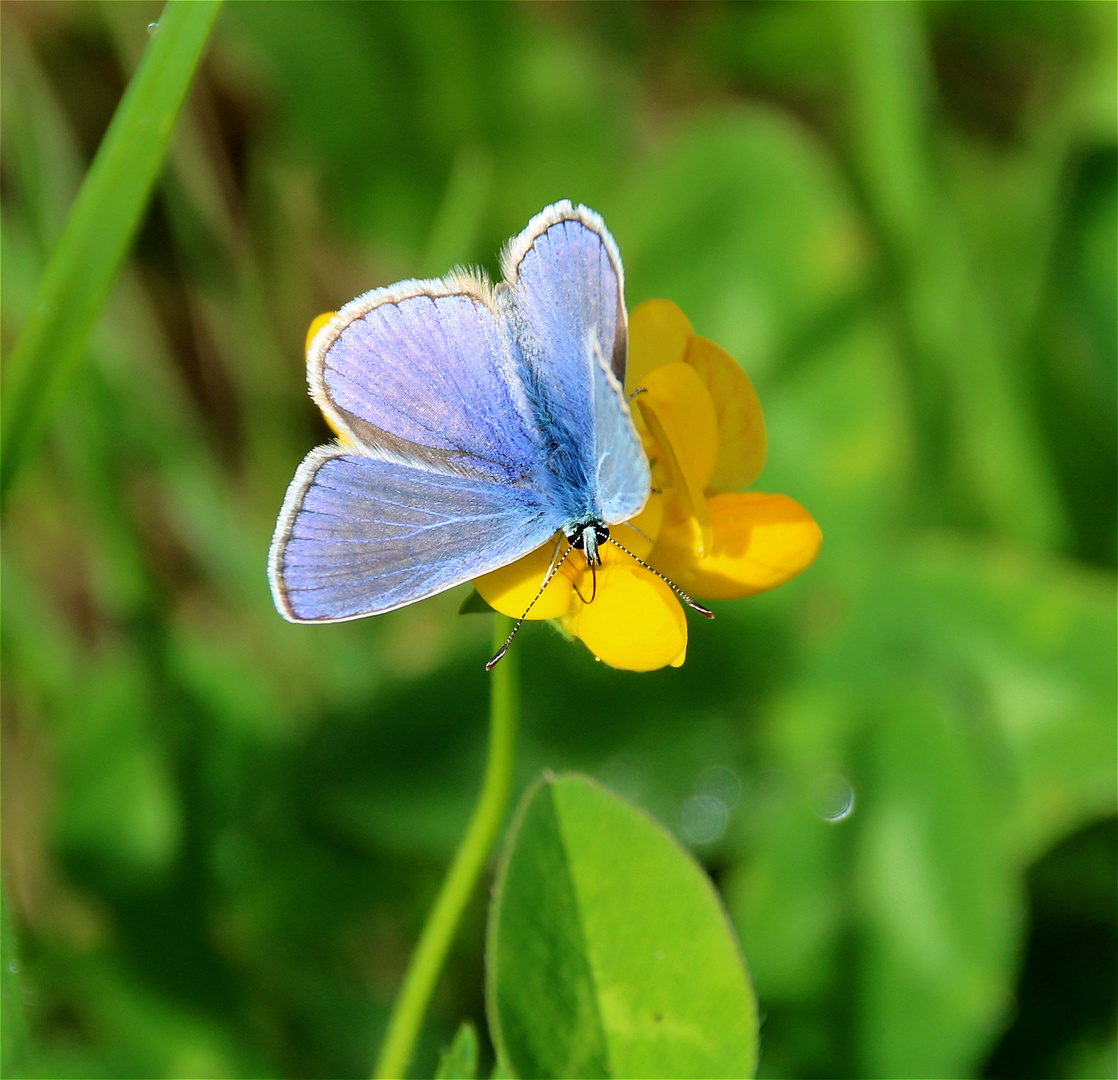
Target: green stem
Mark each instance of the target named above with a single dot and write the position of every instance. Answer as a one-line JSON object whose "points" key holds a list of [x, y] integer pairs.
{"points": [[458, 885]]}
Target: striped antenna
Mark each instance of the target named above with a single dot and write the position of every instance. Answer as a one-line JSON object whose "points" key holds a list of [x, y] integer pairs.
{"points": [[516, 626], [671, 584]]}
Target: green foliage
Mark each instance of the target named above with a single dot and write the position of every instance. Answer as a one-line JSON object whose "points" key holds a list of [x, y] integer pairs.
{"points": [[459, 1062], [609, 952], [221, 832], [14, 1050]]}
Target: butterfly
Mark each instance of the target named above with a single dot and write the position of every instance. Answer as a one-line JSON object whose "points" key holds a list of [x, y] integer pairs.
{"points": [[475, 422]]}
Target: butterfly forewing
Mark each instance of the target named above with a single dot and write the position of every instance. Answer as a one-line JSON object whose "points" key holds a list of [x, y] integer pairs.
{"points": [[424, 369], [566, 273], [567, 311]]}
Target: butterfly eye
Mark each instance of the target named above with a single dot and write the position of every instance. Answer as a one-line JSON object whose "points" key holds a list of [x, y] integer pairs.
{"points": [[576, 537]]}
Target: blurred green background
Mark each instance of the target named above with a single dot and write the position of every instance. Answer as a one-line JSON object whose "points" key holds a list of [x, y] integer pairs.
{"points": [[221, 832]]}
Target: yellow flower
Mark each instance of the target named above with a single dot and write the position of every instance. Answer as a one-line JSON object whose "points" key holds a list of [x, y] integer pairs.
{"points": [[704, 434]]}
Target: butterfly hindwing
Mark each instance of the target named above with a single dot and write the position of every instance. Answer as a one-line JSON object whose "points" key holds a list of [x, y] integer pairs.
{"points": [[621, 474], [360, 535]]}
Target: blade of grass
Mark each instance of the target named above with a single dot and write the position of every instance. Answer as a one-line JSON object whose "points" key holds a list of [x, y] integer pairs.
{"points": [[99, 230]]}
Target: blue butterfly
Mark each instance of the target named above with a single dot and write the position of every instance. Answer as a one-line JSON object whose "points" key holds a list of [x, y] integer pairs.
{"points": [[476, 422]]}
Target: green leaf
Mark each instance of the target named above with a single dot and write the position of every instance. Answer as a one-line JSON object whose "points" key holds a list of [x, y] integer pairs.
{"points": [[100, 228], [459, 1062], [474, 605], [968, 697], [609, 952], [940, 914]]}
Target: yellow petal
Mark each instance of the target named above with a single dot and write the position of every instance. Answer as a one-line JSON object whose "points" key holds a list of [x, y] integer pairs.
{"points": [[634, 623], [639, 534], [317, 325], [658, 335], [742, 442], [760, 541], [511, 588], [681, 544], [680, 415]]}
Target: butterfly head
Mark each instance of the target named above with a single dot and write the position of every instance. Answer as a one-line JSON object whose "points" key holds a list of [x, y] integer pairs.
{"points": [[587, 538]]}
